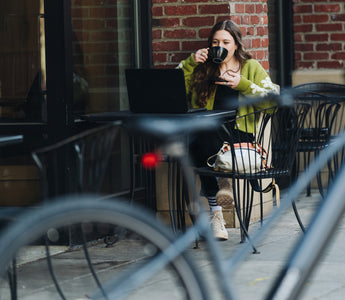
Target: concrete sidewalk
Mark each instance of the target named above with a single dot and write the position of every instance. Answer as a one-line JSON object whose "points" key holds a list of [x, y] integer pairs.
{"points": [[252, 279]]}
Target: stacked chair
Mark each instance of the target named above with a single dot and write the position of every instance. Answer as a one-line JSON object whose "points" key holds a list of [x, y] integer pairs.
{"points": [[324, 122]]}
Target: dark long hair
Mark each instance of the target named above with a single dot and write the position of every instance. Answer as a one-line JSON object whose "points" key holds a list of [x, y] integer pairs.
{"points": [[204, 73]]}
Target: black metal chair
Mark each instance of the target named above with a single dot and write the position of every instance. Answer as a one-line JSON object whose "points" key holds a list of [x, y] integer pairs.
{"points": [[325, 121], [74, 165], [278, 133], [316, 132], [324, 88]]}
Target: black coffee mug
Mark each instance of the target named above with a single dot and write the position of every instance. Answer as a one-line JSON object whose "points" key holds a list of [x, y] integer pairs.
{"points": [[217, 54]]}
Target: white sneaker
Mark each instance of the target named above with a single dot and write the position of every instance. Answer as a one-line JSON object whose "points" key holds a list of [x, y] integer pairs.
{"points": [[217, 222]]}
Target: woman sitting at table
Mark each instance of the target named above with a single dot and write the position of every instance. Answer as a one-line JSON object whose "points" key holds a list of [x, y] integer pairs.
{"points": [[221, 85]]}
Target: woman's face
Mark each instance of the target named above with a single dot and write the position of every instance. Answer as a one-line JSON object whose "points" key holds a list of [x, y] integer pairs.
{"points": [[224, 39]]}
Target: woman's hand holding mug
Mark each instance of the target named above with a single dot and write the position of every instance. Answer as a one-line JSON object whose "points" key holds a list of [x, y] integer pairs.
{"points": [[201, 55]]}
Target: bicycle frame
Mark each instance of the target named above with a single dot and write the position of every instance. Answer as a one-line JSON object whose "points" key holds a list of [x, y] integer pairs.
{"points": [[302, 260], [201, 226], [305, 254]]}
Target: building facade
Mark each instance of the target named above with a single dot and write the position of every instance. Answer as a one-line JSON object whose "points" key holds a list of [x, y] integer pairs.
{"points": [[319, 41], [314, 33], [63, 58]]}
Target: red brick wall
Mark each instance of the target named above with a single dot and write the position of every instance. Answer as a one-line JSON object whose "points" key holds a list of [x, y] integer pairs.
{"points": [[182, 26], [319, 33], [101, 48], [94, 33]]}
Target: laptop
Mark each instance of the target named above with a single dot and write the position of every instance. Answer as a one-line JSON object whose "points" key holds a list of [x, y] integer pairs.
{"points": [[157, 91]]}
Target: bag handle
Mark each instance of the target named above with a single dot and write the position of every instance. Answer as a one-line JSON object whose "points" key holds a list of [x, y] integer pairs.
{"points": [[208, 160], [225, 147]]}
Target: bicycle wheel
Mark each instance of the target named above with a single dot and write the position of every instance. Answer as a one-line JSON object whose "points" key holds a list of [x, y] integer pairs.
{"points": [[139, 241]]}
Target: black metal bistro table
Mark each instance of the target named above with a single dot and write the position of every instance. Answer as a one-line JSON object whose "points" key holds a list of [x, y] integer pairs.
{"points": [[124, 115], [176, 190]]}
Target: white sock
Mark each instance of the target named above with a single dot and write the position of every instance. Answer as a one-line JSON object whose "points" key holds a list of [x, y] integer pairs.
{"points": [[215, 208]]}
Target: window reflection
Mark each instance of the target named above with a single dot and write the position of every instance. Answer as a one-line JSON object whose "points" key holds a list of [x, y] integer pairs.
{"points": [[102, 49], [101, 52], [20, 59]]}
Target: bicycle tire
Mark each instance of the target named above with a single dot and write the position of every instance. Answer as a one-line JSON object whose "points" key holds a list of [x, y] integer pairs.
{"points": [[72, 210]]}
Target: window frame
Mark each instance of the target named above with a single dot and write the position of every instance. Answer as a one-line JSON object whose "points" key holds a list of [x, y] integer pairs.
{"points": [[59, 76]]}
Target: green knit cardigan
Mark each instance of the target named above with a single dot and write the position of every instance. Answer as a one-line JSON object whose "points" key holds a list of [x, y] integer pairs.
{"points": [[254, 82]]}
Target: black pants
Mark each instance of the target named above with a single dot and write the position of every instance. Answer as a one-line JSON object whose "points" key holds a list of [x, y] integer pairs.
{"points": [[206, 144]]}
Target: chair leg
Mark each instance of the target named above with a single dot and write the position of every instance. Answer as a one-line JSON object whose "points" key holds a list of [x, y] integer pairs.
{"points": [[184, 201], [297, 216], [243, 208], [171, 194], [187, 202], [178, 198], [333, 167], [261, 207], [12, 279], [249, 205], [319, 177], [243, 214], [306, 163], [132, 170], [238, 206], [319, 184]]}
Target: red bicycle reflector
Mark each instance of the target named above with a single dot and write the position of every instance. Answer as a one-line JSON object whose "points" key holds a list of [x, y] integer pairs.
{"points": [[150, 160]]}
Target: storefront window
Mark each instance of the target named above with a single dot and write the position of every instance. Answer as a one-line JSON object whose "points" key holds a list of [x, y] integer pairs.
{"points": [[21, 59], [104, 44], [102, 50], [63, 58]]}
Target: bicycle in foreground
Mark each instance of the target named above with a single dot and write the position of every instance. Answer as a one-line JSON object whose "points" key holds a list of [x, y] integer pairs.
{"points": [[161, 254]]}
